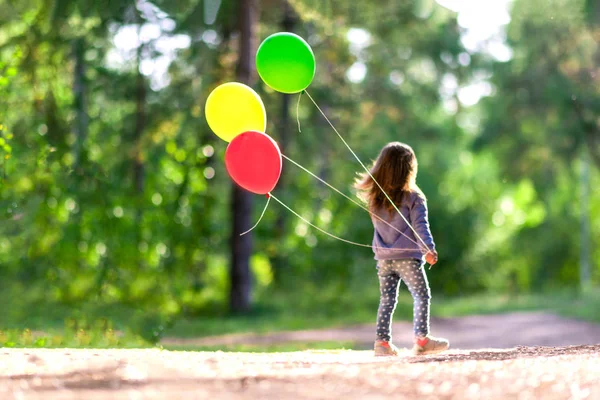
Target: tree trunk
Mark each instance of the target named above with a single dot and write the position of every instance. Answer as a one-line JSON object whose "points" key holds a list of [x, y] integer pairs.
{"points": [[592, 131], [80, 130], [81, 117], [140, 123], [585, 256], [241, 246], [323, 161], [287, 23]]}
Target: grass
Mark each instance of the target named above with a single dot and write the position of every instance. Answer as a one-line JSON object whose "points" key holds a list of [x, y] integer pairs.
{"points": [[81, 339], [29, 321], [295, 315], [269, 348]]}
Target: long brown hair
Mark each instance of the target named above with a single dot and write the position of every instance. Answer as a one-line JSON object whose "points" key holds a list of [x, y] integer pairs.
{"points": [[395, 169]]}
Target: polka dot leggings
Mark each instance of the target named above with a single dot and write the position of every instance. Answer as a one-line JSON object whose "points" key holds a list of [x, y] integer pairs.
{"points": [[390, 273]]}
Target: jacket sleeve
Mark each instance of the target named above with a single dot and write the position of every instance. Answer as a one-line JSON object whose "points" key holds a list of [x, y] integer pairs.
{"points": [[420, 222]]}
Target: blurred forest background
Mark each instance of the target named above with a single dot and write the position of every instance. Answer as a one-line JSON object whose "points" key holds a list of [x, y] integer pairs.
{"points": [[118, 212]]}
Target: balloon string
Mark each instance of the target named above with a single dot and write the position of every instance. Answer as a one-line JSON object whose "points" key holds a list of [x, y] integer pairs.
{"points": [[330, 234], [351, 199], [260, 219], [298, 111], [367, 170]]}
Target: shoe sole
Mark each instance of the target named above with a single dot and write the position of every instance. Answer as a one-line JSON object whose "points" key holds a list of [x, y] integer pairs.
{"points": [[429, 352]]}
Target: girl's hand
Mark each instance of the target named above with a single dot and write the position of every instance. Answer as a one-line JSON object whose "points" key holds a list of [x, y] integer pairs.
{"points": [[431, 257]]}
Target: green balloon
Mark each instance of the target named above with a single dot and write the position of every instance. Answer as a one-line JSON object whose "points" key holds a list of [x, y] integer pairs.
{"points": [[286, 62]]}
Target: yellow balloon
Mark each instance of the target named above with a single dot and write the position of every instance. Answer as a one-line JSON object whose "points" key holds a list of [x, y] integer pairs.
{"points": [[234, 108]]}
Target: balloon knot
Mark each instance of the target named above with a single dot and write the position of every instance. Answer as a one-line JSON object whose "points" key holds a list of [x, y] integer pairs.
{"points": [[268, 195]]}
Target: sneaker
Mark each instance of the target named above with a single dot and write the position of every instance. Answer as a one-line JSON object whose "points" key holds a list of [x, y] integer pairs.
{"points": [[430, 345], [383, 348]]}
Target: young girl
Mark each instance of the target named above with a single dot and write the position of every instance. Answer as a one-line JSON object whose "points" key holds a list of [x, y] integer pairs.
{"points": [[398, 250]]}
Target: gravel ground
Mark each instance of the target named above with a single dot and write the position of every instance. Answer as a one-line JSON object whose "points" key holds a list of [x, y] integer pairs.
{"points": [[517, 373]]}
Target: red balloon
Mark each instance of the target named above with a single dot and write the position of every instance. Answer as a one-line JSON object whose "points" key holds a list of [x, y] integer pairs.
{"points": [[253, 160]]}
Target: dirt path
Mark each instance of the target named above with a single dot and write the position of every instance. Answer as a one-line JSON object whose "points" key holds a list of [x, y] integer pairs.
{"points": [[519, 373], [500, 369], [474, 332]]}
